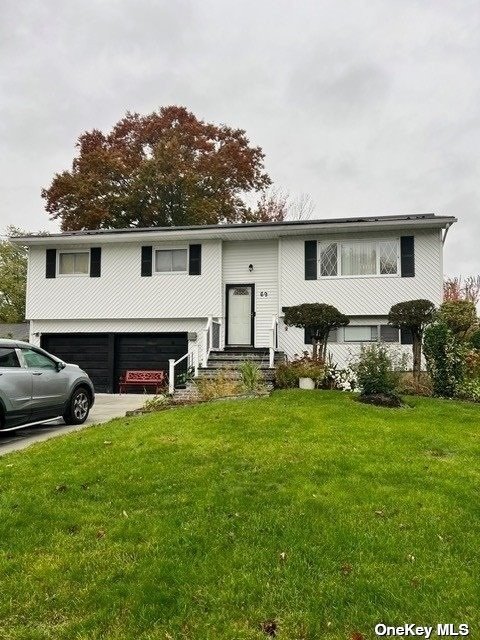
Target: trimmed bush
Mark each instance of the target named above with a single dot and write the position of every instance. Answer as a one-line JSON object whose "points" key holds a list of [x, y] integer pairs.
{"points": [[320, 319], [445, 356], [374, 370], [414, 316]]}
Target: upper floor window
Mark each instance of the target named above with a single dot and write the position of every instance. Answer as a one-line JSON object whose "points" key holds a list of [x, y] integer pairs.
{"points": [[72, 263], [359, 258], [171, 260]]}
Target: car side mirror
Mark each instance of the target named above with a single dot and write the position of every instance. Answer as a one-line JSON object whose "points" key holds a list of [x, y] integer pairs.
{"points": [[60, 365]]}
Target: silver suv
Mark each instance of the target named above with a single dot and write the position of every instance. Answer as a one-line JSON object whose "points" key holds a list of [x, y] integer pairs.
{"points": [[38, 387]]}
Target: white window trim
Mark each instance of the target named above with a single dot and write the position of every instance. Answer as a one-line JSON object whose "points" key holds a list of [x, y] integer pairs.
{"points": [[72, 275], [169, 273], [339, 276]]}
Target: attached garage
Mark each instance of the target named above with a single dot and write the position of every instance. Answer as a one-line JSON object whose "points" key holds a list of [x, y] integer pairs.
{"points": [[105, 356]]}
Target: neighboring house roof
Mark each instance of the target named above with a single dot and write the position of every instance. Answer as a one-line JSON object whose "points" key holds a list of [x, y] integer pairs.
{"points": [[14, 331], [244, 231]]}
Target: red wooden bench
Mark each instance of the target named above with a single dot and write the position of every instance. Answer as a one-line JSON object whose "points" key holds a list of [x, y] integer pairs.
{"points": [[143, 378]]}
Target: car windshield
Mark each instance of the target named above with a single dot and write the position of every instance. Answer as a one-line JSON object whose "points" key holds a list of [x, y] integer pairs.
{"points": [[35, 360]]}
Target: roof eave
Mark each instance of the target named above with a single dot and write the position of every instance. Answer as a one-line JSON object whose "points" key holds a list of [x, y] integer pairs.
{"points": [[241, 232]]}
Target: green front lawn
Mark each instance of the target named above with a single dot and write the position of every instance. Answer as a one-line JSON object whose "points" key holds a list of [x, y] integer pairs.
{"points": [[308, 509]]}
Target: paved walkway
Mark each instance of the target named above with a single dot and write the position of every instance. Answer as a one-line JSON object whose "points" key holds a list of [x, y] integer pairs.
{"points": [[106, 407]]}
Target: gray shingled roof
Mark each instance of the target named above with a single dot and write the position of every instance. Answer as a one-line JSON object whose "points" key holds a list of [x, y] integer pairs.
{"points": [[253, 225]]}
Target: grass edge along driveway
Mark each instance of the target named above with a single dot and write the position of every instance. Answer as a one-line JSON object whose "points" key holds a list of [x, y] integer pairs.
{"points": [[305, 514]]}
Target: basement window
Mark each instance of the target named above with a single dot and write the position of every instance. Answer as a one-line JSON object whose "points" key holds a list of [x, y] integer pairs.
{"points": [[361, 333]]}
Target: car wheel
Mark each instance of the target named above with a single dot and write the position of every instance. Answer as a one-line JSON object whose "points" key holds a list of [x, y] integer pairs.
{"points": [[78, 407]]}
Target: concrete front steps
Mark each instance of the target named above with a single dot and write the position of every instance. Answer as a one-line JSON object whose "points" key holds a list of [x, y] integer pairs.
{"points": [[231, 358]]}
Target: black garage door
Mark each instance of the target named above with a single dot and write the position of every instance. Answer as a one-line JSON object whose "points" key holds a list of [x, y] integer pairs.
{"points": [[89, 350], [105, 356]]}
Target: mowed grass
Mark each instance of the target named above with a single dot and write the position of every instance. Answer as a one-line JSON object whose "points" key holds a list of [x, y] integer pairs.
{"points": [[307, 512]]}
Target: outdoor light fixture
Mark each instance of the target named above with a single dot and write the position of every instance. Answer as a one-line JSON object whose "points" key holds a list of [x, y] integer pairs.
{"points": [[250, 267]]}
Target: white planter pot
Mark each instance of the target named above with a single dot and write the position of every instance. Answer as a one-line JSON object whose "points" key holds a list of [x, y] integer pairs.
{"points": [[306, 383]]}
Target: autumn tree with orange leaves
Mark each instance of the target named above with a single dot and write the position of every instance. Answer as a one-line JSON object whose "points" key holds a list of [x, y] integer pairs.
{"points": [[163, 169]]}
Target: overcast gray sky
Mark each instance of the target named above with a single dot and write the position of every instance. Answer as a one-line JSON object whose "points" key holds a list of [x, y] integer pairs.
{"points": [[369, 106]]}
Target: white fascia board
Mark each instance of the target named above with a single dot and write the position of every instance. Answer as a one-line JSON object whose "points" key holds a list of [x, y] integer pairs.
{"points": [[233, 233]]}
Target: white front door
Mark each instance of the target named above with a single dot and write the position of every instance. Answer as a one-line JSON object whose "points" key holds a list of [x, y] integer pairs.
{"points": [[240, 315]]}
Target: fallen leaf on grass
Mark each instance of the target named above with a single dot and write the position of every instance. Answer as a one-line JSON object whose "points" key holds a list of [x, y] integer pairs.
{"points": [[61, 488], [100, 533], [125, 514], [269, 627], [346, 569], [356, 635]]}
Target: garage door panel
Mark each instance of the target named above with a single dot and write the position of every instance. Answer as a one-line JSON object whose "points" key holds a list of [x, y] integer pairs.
{"points": [[148, 351], [89, 350], [106, 356]]}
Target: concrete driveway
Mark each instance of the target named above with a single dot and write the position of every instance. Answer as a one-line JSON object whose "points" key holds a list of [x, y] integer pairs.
{"points": [[106, 407]]}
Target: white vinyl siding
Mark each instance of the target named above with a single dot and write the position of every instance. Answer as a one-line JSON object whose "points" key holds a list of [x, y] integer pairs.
{"points": [[74, 263], [122, 292], [362, 296], [263, 256]]}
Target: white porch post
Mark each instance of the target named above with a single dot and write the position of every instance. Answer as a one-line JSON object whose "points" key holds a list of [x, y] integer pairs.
{"points": [[171, 377]]}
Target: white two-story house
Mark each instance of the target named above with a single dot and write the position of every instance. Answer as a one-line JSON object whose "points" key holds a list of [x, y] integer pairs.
{"points": [[123, 299]]}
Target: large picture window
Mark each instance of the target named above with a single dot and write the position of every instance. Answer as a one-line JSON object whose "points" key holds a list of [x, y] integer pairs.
{"points": [[171, 260], [356, 258], [73, 263]]}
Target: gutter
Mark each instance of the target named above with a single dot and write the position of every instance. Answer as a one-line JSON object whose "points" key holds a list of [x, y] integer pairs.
{"points": [[447, 227], [241, 232]]}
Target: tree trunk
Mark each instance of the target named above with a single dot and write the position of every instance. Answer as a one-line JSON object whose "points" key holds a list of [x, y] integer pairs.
{"points": [[314, 348], [417, 355], [324, 348]]}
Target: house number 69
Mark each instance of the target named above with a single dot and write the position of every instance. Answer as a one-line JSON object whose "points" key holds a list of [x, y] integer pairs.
{"points": [[264, 294]]}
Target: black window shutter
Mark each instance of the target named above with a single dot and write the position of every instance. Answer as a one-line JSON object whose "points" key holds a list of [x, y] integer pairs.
{"points": [[147, 261], [51, 263], [195, 260], [406, 336], [310, 259], [332, 336], [407, 256], [388, 333], [95, 262]]}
